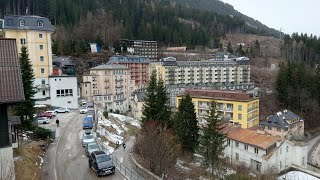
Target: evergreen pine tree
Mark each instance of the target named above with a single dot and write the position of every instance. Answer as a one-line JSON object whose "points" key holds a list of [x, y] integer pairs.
{"points": [[185, 124], [317, 84], [149, 109], [163, 114], [229, 48], [26, 109], [282, 84], [212, 138]]}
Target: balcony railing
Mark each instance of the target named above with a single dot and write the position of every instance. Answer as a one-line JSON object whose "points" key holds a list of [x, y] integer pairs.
{"points": [[119, 86], [118, 80]]}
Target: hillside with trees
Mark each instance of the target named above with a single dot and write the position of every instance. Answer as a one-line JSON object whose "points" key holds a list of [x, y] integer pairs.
{"points": [[80, 21]]}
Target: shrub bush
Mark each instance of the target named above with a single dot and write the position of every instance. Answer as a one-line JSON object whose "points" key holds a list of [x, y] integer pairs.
{"points": [[111, 110], [117, 111], [41, 133], [105, 114]]}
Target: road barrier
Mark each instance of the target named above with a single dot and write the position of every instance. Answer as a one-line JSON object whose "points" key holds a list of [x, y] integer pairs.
{"points": [[124, 170]]}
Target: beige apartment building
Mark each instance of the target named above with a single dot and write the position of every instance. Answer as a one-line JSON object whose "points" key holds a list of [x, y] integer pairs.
{"points": [[212, 71], [108, 85], [33, 32]]}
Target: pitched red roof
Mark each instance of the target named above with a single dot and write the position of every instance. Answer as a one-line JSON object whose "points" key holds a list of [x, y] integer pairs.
{"points": [[11, 87], [247, 136]]}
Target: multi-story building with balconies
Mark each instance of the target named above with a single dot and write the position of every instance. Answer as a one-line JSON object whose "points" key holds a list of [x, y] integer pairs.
{"points": [[219, 73], [141, 48], [139, 69], [235, 107], [108, 85], [34, 32]]}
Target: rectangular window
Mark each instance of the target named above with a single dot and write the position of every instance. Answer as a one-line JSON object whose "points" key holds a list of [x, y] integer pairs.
{"points": [[256, 150], [66, 92], [40, 23], [287, 148], [239, 107], [269, 128], [22, 41], [41, 58], [41, 47], [43, 93], [70, 92], [246, 146], [279, 129], [43, 82], [237, 156], [237, 144], [239, 116], [62, 92], [58, 93], [40, 36], [42, 70], [228, 142]]}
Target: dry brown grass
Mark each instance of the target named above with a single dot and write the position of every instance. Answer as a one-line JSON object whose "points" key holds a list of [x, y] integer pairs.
{"points": [[25, 166]]}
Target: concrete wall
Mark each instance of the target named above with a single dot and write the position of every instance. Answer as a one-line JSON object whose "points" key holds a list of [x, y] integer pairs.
{"points": [[6, 164], [62, 83], [143, 171]]}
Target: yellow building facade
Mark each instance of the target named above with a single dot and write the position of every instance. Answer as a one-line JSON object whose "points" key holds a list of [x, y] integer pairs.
{"points": [[33, 32], [235, 107]]}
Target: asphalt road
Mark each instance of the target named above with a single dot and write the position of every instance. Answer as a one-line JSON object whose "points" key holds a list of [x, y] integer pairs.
{"points": [[65, 158]]}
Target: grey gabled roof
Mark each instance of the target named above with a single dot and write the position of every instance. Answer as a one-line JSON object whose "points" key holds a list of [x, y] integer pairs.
{"points": [[30, 23], [109, 66], [11, 86], [279, 119], [128, 59]]}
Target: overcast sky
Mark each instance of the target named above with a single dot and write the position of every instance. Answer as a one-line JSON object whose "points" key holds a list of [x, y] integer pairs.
{"points": [[290, 15]]}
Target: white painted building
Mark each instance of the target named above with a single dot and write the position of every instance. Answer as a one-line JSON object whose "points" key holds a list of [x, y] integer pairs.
{"points": [[64, 91], [263, 152]]}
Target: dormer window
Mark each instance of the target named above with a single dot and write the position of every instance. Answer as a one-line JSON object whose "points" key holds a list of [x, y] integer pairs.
{"points": [[21, 22], [40, 23]]}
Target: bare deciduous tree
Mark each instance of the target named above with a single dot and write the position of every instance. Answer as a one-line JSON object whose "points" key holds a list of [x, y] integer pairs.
{"points": [[99, 25], [158, 147]]}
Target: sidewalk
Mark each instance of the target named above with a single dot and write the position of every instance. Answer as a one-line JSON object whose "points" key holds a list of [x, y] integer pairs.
{"points": [[124, 155]]}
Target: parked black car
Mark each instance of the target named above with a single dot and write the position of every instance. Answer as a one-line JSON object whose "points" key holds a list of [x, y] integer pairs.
{"points": [[101, 163]]}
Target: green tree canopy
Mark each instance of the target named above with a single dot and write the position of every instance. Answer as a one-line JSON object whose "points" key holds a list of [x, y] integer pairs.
{"points": [[185, 124], [26, 109], [212, 138]]}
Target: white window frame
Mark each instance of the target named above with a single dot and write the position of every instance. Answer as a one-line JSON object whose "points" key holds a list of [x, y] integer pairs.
{"points": [[22, 41], [42, 69], [41, 58], [40, 35], [41, 47], [21, 22], [40, 23]]}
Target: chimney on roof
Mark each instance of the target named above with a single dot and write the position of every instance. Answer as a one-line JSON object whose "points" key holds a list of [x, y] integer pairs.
{"points": [[285, 111]]}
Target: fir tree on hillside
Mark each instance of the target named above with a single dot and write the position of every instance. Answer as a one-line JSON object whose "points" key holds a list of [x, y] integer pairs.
{"points": [[212, 138], [229, 48], [162, 102], [26, 109], [185, 124], [149, 109], [156, 106]]}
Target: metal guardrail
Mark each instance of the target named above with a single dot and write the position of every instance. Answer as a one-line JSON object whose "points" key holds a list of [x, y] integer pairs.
{"points": [[124, 170]]}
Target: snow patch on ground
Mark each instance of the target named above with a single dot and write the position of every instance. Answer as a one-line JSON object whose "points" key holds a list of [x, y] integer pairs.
{"points": [[41, 161], [297, 175], [180, 166], [127, 119]]}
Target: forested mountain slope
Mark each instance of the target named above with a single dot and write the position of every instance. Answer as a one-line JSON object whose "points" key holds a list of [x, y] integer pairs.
{"points": [[160, 20]]}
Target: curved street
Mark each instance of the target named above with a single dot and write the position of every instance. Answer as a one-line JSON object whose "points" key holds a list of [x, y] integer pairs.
{"points": [[65, 158]]}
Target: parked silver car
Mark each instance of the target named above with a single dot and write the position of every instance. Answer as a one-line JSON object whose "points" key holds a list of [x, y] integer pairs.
{"points": [[91, 147], [87, 139], [43, 120], [62, 110]]}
